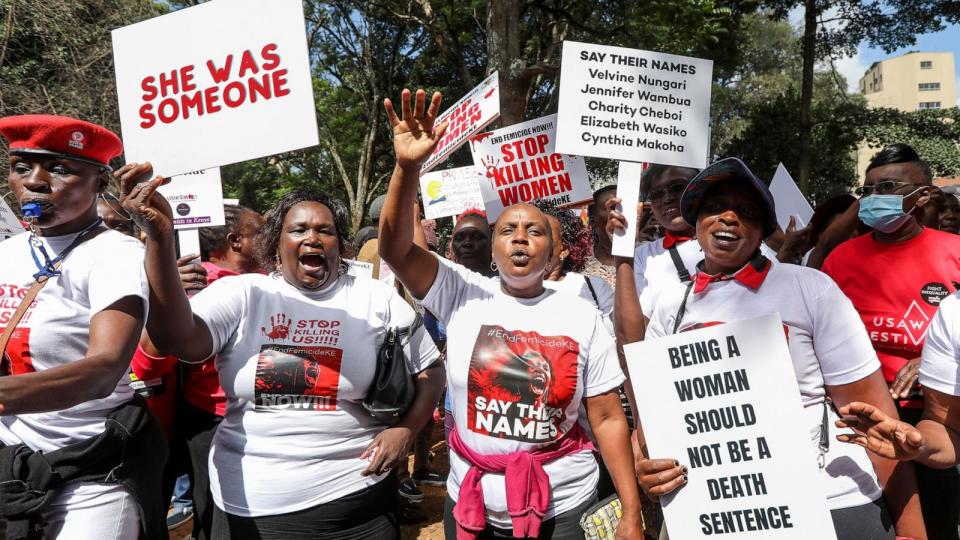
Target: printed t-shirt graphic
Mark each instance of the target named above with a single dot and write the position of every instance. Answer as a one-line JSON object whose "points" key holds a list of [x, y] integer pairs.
{"points": [[520, 383], [295, 376]]}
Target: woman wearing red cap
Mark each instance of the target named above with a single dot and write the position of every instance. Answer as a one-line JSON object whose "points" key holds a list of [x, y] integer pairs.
{"points": [[733, 211], [67, 349]]}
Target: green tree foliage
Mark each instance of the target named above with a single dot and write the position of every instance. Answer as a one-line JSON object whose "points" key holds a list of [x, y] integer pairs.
{"points": [[935, 134]]}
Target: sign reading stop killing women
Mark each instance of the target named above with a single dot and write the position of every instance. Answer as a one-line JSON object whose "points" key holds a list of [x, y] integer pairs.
{"points": [[632, 105], [466, 118], [724, 401], [522, 166], [214, 84]]}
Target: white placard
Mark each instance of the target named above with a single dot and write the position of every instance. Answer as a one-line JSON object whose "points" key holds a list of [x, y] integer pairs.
{"points": [[359, 268], [214, 84], [189, 241], [196, 199], [628, 191], [763, 462], [466, 118], [231, 202], [521, 166], [451, 191], [9, 224], [789, 200], [633, 105]]}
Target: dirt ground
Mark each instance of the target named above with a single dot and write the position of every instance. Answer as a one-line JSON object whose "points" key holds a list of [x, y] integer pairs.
{"points": [[432, 506]]}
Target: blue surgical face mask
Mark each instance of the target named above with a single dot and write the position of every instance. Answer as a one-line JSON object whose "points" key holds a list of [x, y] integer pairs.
{"points": [[884, 212]]}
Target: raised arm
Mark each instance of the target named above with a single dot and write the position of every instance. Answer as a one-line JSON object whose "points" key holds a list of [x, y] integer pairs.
{"points": [[171, 325], [629, 322], [414, 137]]}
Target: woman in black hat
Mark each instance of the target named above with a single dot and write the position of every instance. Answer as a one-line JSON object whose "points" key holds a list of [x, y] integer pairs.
{"points": [[732, 210]]}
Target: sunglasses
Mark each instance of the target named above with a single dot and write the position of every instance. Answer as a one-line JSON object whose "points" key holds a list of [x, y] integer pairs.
{"points": [[675, 189], [881, 188]]}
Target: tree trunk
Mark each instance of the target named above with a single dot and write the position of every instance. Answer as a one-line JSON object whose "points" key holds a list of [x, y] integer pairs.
{"points": [[806, 94], [503, 55]]}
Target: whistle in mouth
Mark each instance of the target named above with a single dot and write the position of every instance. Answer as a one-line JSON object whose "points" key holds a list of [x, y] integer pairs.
{"points": [[31, 210]]}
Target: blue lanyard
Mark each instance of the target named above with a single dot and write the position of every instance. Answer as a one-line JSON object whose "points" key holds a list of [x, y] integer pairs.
{"points": [[48, 268]]}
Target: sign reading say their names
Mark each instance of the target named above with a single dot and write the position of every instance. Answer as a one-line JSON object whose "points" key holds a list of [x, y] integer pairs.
{"points": [[633, 105], [451, 191], [522, 166], [214, 84], [466, 118], [724, 401], [196, 199]]}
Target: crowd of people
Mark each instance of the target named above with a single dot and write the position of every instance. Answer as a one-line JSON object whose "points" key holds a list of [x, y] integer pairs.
{"points": [[131, 370]]}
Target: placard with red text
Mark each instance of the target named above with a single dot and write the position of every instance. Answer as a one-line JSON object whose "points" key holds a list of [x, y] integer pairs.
{"points": [[215, 84], [467, 117], [521, 166]]}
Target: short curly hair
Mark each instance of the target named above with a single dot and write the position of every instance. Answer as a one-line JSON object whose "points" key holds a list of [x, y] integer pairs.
{"points": [[269, 236], [575, 237], [214, 238]]}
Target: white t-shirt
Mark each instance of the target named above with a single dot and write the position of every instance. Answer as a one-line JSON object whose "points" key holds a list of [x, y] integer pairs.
{"points": [[56, 330], [828, 345], [295, 367], [653, 268], [576, 284], [940, 365], [517, 371]]}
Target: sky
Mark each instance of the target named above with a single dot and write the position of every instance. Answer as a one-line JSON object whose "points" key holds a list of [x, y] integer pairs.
{"points": [[947, 40]]}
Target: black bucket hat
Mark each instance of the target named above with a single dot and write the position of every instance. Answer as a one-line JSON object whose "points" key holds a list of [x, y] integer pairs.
{"points": [[729, 168]]}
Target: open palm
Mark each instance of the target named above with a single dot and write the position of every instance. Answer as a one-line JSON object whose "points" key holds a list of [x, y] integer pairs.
{"points": [[879, 433], [414, 135]]}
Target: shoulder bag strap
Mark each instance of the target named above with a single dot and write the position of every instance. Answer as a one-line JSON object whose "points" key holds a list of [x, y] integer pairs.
{"points": [[31, 295], [678, 264], [683, 308], [593, 293]]}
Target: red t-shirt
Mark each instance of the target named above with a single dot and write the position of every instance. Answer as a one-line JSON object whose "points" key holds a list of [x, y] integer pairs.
{"points": [[896, 288], [156, 379], [201, 383]]}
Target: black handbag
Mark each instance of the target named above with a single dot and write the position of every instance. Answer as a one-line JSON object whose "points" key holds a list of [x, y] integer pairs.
{"points": [[393, 389]]}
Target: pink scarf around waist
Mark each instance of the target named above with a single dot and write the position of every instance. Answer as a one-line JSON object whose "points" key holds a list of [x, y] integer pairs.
{"points": [[527, 484]]}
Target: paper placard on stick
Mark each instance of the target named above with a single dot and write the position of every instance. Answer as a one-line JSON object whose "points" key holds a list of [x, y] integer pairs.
{"points": [[633, 105], [188, 241], [451, 191], [628, 191], [466, 118], [789, 200], [9, 224], [522, 166], [196, 199], [214, 84], [753, 475]]}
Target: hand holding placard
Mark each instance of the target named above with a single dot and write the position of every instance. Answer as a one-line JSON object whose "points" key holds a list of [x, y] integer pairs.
{"points": [[628, 191]]}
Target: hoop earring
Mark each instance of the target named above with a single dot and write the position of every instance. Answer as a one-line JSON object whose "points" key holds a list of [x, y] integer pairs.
{"points": [[493, 266]]}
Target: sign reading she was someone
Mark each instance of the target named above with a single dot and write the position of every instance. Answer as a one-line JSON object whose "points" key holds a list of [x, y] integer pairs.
{"points": [[522, 166], [466, 118], [214, 84], [196, 199], [451, 191], [724, 401], [632, 105]]}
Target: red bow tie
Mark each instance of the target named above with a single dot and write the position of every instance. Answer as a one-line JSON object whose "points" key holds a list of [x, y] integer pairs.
{"points": [[670, 240], [751, 275]]}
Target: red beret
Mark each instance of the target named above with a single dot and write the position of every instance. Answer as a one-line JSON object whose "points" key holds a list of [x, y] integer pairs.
{"points": [[60, 136]]}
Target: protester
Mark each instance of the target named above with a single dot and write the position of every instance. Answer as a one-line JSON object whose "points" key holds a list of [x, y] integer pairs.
{"points": [[935, 441], [67, 359], [296, 455], [600, 263], [896, 277], [470, 242], [949, 218], [571, 246], [511, 474], [108, 208], [733, 210]]}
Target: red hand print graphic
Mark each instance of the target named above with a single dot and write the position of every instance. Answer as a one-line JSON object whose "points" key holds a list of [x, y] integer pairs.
{"points": [[279, 327], [491, 166]]}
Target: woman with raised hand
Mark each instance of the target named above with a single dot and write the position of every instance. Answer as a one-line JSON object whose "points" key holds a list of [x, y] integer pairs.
{"points": [[296, 455], [520, 360], [733, 211], [80, 455]]}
